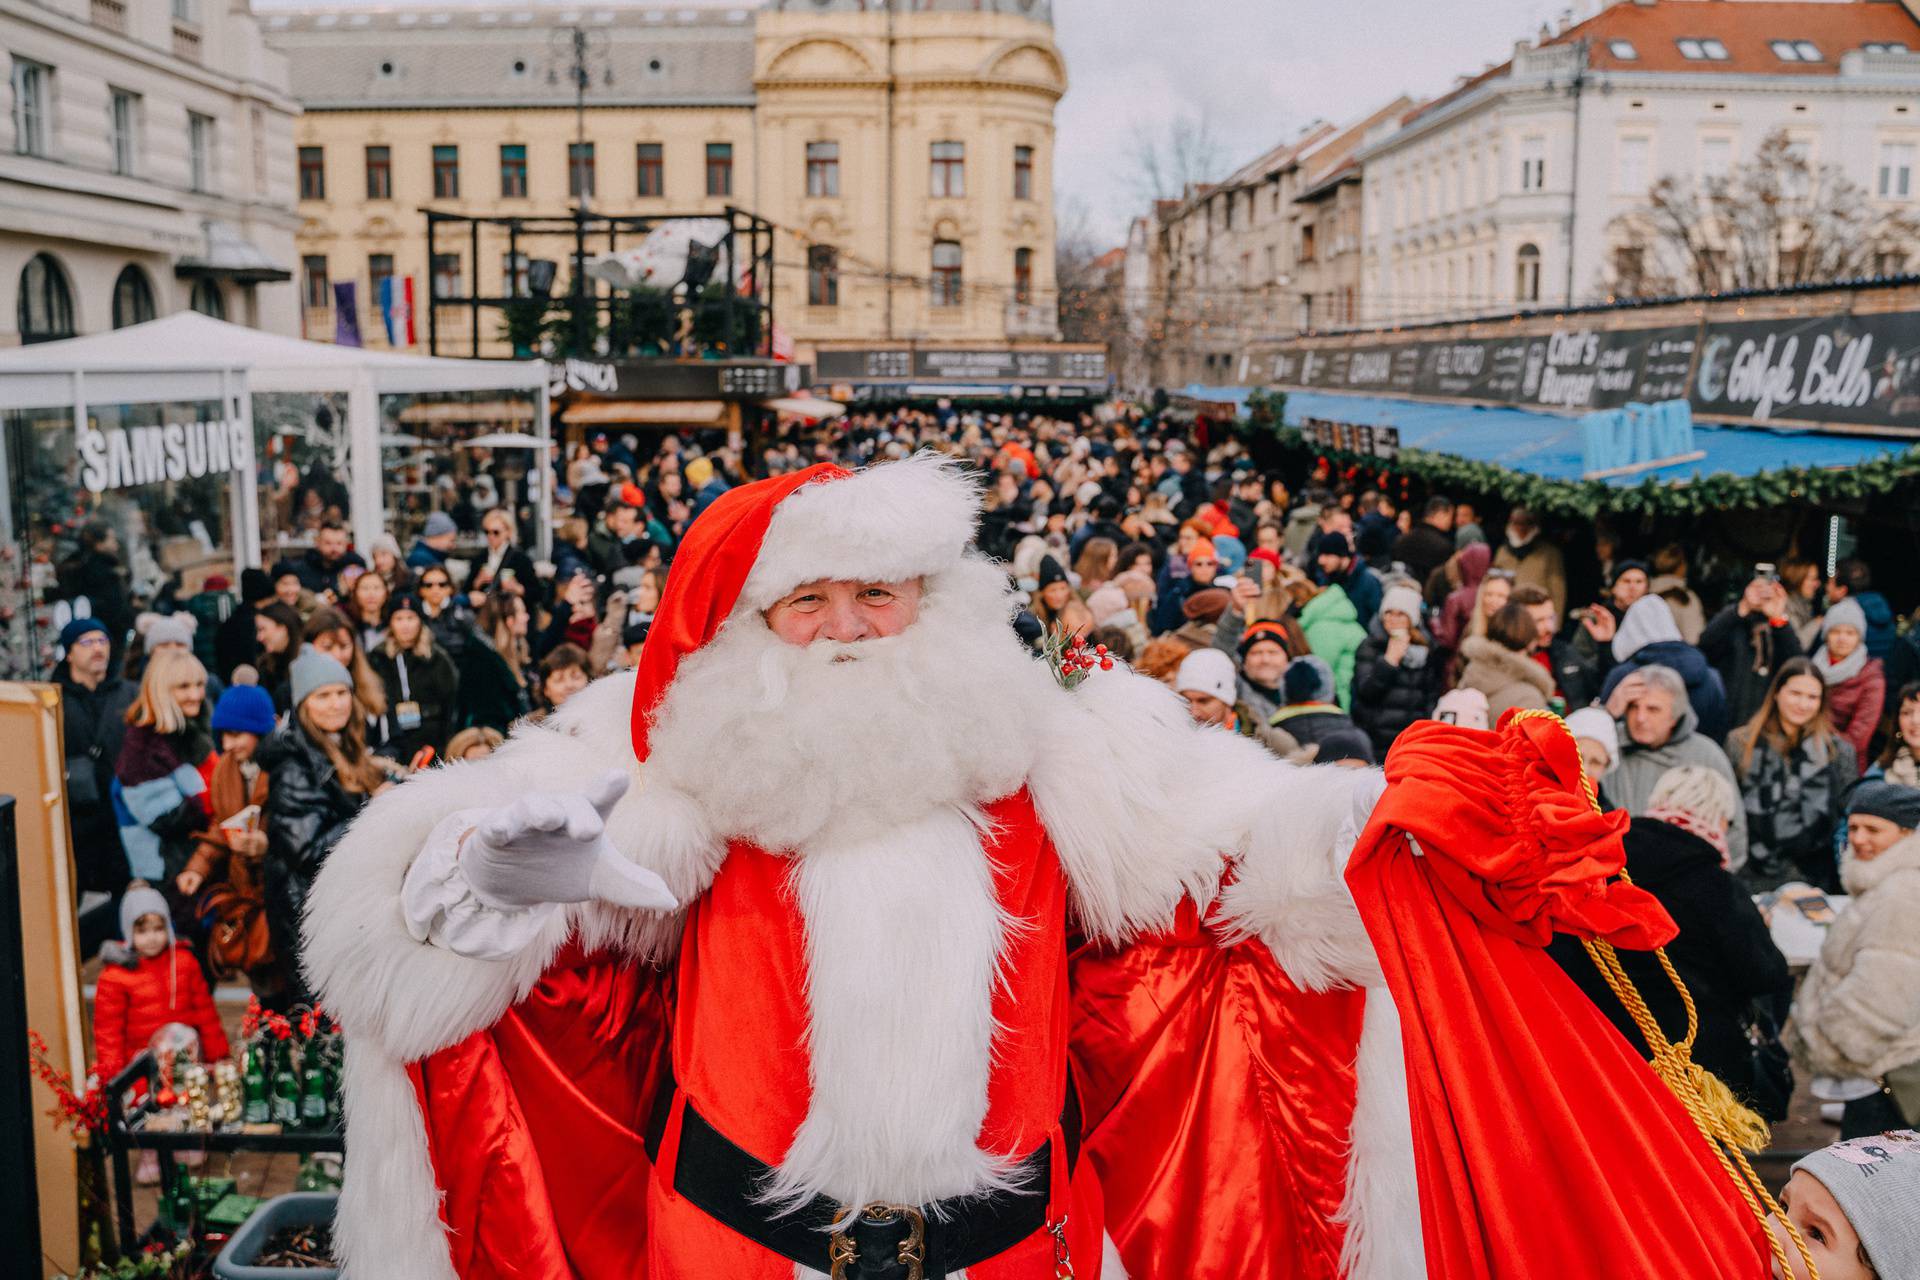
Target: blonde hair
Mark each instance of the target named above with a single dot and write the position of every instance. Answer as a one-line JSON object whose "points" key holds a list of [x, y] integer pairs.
{"points": [[155, 707], [478, 735]]}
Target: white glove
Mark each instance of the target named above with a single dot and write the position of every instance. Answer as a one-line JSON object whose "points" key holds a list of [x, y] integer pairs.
{"points": [[552, 847]]}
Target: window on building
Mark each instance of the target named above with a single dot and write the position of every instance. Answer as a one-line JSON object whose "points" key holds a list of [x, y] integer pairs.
{"points": [[580, 170], [1796, 51], [1630, 165], [44, 311], [379, 270], [949, 175], [32, 98], [1716, 158], [1308, 233], [513, 274], [1227, 205], [313, 173], [1629, 265], [319, 289], [206, 299], [513, 170], [946, 273], [1526, 274], [1023, 275], [1883, 46], [823, 168], [132, 298], [650, 166], [1702, 49], [200, 151], [719, 168], [1023, 173], [1797, 172], [446, 171], [379, 173], [446, 276], [1533, 164], [823, 276], [184, 11], [1623, 50], [1896, 170], [123, 125]]}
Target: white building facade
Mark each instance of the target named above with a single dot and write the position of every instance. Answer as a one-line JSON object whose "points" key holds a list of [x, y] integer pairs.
{"points": [[146, 167], [1509, 193]]}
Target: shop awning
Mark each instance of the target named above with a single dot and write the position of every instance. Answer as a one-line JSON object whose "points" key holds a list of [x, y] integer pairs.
{"points": [[229, 254], [1549, 445], [645, 413]]}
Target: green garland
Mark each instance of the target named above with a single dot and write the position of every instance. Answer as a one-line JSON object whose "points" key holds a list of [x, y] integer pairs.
{"points": [[1651, 497]]}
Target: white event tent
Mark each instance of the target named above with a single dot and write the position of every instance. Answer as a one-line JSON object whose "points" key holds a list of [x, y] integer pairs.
{"points": [[188, 357]]}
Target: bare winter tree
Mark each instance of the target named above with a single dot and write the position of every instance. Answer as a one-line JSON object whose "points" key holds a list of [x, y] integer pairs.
{"points": [[1091, 306], [1773, 222], [1173, 153]]}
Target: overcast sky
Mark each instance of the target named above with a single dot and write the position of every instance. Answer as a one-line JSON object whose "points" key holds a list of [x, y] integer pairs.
{"points": [[1256, 70]]}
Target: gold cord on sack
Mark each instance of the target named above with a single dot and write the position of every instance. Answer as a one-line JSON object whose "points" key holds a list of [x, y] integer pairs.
{"points": [[1731, 1130]]}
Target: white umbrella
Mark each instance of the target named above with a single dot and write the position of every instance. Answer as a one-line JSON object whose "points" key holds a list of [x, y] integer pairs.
{"points": [[506, 440]]}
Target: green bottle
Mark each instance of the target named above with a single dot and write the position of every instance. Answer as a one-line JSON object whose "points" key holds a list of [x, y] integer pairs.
{"points": [[257, 1108], [313, 1089], [286, 1090]]}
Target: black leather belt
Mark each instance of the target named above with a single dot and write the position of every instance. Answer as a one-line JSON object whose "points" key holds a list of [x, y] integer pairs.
{"points": [[881, 1242]]}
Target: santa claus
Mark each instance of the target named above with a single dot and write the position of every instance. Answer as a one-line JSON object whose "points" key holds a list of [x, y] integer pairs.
{"points": [[755, 963]]}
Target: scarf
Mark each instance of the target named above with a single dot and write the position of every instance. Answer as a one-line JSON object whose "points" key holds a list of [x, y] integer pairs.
{"points": [[1905, 769], [1836, 673]]}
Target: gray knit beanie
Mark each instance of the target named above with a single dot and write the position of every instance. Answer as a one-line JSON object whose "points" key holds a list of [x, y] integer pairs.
{"points": [[315, 670], [1876, 1182]]}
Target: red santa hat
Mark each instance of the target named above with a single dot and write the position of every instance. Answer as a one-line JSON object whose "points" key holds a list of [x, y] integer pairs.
{"points": [[756, 543]]}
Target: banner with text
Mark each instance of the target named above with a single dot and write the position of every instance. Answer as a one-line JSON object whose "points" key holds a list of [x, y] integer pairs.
{"points": [[1836, 370]]}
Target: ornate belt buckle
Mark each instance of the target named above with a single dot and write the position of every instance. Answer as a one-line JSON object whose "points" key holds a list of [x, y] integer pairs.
{"points": [[842, 1253]]}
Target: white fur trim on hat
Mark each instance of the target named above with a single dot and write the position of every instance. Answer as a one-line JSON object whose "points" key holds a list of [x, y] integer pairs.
{"points": [[888, 523]]}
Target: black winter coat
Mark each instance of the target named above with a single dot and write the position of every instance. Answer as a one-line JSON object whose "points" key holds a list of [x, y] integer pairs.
{"points": [[432, 684], [1327, 728], [94, 721], [492, 693], [1423, 549], [1746, 652], [1389, 697], [307, 812], [1724, 952]]}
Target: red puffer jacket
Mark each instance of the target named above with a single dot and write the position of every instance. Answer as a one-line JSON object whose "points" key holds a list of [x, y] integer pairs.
{"points": [[1855, 705], [130, 1004]]}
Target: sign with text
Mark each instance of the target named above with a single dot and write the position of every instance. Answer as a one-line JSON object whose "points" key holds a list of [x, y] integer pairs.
{"points": [[677, 379], [990, 364], [121, 457], [1839, 370]]}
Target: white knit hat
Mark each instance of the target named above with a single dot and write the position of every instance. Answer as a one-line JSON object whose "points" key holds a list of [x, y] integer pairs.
{"points": [[1207, 671], [1595, 725]]}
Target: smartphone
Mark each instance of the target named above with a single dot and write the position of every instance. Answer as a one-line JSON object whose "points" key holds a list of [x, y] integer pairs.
{"points": [[1226, 582], [1815, 907], [421, 759], [1766, 573]]}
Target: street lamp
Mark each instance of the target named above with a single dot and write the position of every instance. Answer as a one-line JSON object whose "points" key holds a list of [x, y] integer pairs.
{"points": [[577, 52]]}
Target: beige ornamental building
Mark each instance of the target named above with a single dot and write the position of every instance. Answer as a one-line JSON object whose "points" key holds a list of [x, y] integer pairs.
{"points": [[903, 151]]}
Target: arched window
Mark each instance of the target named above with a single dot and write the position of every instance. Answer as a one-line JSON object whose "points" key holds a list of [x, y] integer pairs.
{"points": [[46, 305], [1526, 274], [207, 300], [1023, 275], [946, 273], [132, 298]]}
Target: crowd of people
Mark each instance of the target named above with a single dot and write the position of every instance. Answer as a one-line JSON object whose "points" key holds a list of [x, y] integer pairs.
{"points": [[1768, 743]]}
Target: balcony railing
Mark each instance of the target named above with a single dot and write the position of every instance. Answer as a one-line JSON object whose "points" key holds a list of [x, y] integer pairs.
{"points": [[111, 14], [186, 41], [1032, 320]]}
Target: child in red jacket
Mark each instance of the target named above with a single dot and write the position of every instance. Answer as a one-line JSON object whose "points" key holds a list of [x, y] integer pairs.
{"points": [[150, 981]]}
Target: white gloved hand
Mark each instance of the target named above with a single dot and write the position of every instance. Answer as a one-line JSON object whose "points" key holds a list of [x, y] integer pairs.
{"points": [[553, 847]]}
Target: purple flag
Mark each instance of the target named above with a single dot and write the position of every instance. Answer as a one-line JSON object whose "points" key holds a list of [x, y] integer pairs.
{"points": [[346, 315]]}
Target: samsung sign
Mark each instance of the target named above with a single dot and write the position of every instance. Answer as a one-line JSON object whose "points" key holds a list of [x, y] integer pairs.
{"points": [[120, 457]]}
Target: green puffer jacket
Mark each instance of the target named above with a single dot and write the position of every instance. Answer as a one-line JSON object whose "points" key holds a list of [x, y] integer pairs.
{"points": [[1332, 627]]}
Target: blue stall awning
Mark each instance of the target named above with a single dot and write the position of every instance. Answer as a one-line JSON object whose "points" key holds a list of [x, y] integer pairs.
{"points": [[1549, 446]]}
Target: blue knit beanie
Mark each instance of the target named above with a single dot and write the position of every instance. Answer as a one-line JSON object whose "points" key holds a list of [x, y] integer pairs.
{"points": [[244, 708]]}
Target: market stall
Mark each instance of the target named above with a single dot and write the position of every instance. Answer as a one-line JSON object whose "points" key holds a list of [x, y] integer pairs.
{"points": [[370, 437]]}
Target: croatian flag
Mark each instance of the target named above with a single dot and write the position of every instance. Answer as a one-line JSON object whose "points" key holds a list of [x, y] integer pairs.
{"points": [[396, 310]]}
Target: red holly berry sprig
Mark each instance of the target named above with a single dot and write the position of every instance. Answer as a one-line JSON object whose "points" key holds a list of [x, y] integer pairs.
{"points": [[1073, 661]]}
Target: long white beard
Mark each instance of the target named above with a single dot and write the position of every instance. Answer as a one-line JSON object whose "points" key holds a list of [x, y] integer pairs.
{"points": [[785, 744]]}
